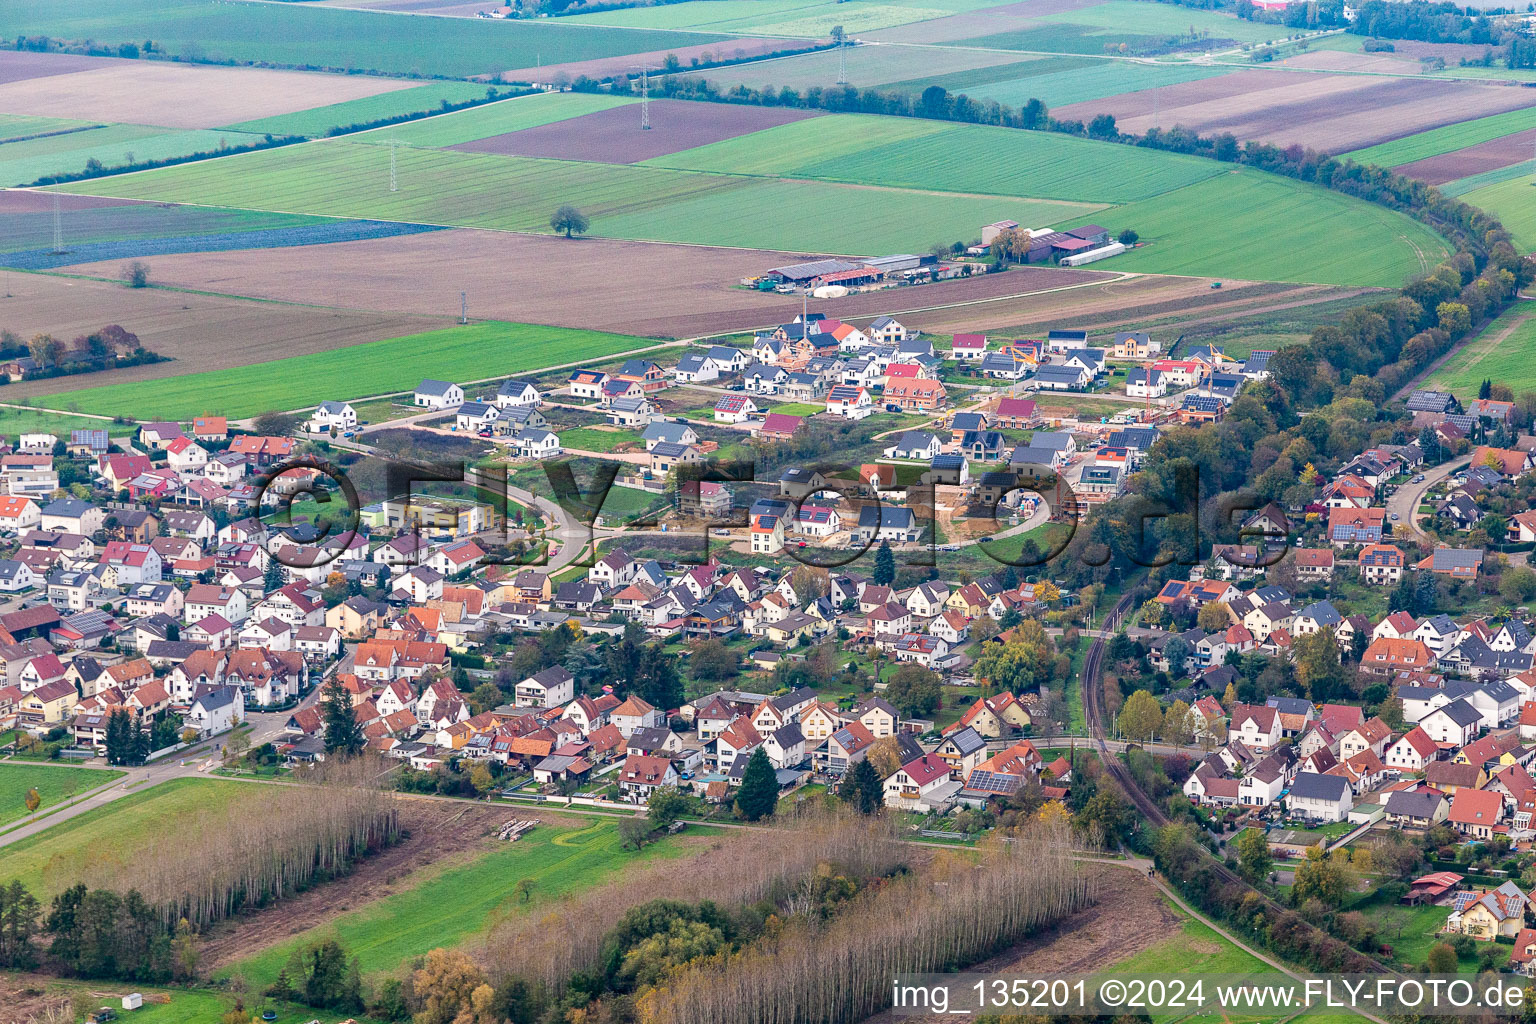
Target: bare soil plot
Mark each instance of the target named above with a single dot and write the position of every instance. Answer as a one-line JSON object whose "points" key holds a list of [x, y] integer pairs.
{"points": [[20, 65], [1336, 113], [1015, 17], [1339, 60], [198, 332], [606, 67], [640, 288], [1485, 156], [183, 95], [1451, 53], [614, 135], [22, 201]]}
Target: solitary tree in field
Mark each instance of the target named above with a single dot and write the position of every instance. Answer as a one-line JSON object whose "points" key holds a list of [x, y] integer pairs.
{"points": [[136, 274], [569, 220]]}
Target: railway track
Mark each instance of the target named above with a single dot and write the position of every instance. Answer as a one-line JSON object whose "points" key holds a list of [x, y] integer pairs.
{"points": [[1094, 718]]}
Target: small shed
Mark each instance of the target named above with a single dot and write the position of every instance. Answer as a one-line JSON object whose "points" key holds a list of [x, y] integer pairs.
{"points": [[132, 1001]]}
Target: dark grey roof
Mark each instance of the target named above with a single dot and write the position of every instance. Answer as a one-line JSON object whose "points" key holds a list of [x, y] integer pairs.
{"points": [[1462, 713], [1311, 786]]}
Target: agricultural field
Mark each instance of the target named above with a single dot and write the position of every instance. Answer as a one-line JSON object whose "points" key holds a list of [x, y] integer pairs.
{"points": [[1103, 28], [37, 160], [14, 421], [196, 332], [445, 905], [511, 115], [54, 784], [1510, 201], [327, 37], [473, 352], [866, 65], [1447, 139], [1249, 224], [1505, 353], [1058, 81], [420, 99], [1336, 113], [101, 840], [780, 17], [183, 96]]}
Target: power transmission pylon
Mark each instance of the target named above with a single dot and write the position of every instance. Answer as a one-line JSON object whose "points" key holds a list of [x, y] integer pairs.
{"points": [[645, 95], [58, 227], [842, 61], [394, 183]]}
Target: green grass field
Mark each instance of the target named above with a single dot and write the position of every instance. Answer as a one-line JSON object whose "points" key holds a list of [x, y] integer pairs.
{"points": [[470, 352], [22, 163], [330, 37], [96, 841], [444, 904], [1514, 203], [1061, 86], [983, 159], [781, 17], [798, 408], [54, 784], [319, 120], [866, 66], [1511, 361], [18, 421], [1446, 139], [1260, 227], [593, 439], [494, 119]]}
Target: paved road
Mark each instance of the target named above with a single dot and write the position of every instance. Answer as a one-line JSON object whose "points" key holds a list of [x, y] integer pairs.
{"points": [[1404, 503], [265, 727]]}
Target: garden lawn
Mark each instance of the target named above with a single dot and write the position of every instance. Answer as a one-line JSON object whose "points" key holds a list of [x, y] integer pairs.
{"points": [[90, 845], [331, 37], [799, 408], [459, 353], [1260, 227], [1510, 361], [442, 905], [1446, 139], [401, 102], [54, 785], [592, 439]]}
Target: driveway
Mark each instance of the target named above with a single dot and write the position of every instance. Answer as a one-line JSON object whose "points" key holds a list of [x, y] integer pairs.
{"points": [[1402, 506]]}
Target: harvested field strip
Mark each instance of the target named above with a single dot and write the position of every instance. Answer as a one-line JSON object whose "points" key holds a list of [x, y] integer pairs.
{"points": [[300, 34], [95, 844], [498, 118], [955, 158], [324, 233], [54, 784], [1446, 139], [472, 352], [779, 17], [1512, 202], [1483, 158], [1461, 186], [1077, 81], [1504, 353], [90, 226], [867, 66], [1256, 226], [614, 135], [320, 120], [443, 905], [972, 80]]}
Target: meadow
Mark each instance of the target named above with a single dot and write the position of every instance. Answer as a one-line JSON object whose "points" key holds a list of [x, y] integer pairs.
{"points": [[1254, 226], [1446, 139], [446, 904], [1494, 355], [329, 37], [54, 784], [461, 353], [102, 838], [781, 17], [982, 159], [18, 421], [1512, 202], [1058, 81], [320, 120], [24, 162]]}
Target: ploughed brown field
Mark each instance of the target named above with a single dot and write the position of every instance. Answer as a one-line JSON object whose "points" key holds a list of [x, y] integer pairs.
{"points": [[614, 135], [1335, 113], [21, 65], [641, 288], [171, 95], [1485, 156], [19, 201], [198, 332], [607, 67], [1338, 60], [987, 21]]}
